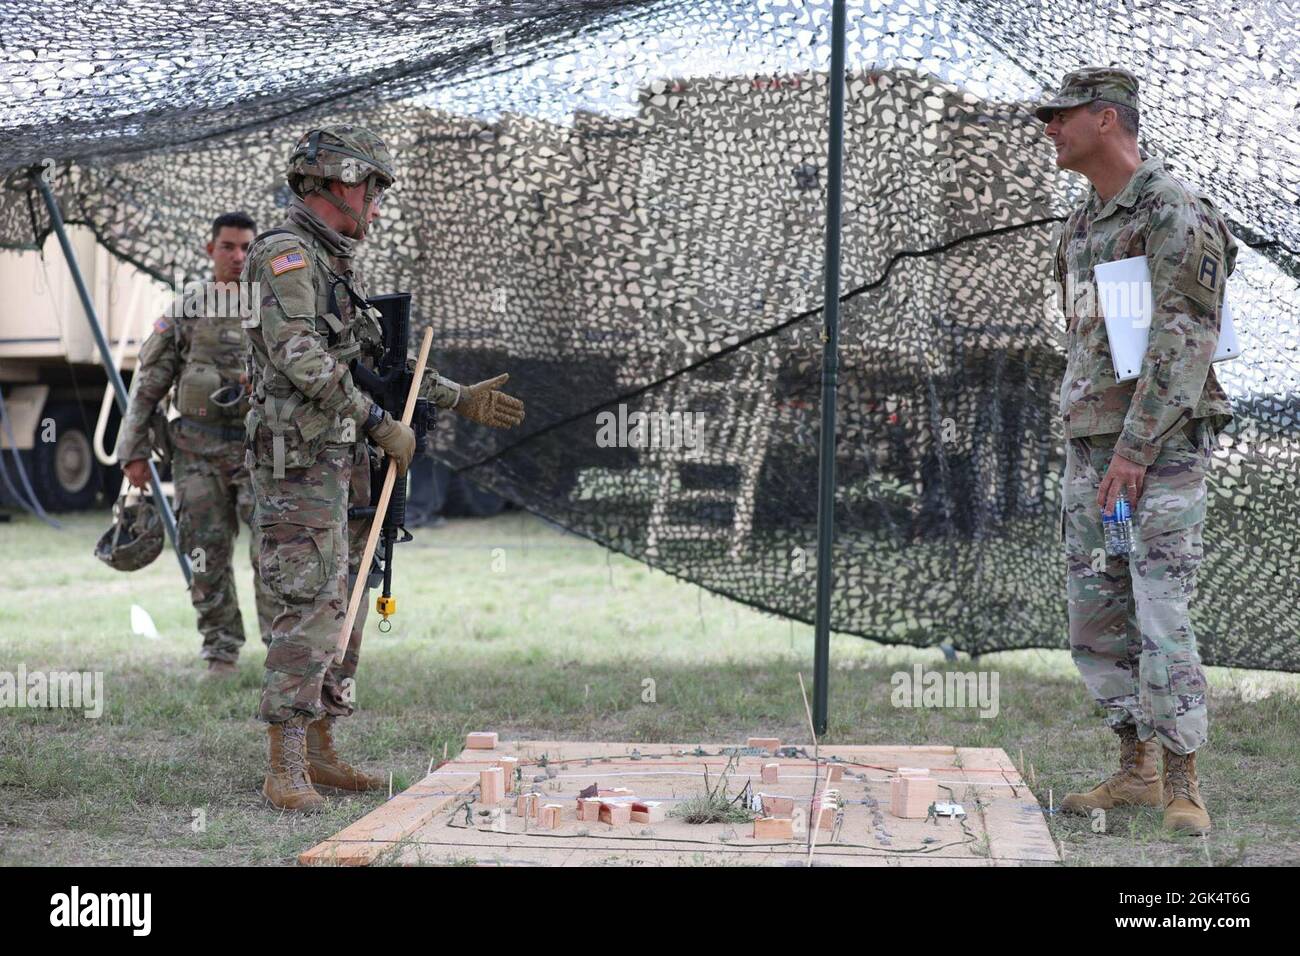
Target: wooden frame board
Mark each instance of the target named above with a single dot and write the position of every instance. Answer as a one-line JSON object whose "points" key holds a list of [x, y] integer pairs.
{"points": [[439, 821]]}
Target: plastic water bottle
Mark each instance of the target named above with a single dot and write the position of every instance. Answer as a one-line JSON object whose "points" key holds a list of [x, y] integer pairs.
{"points": [[1118, 527]]}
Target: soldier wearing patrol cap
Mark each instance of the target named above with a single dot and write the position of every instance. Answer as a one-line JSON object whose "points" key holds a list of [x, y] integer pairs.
{"points": [[1152, 438], [308, 453], [197, 346]]}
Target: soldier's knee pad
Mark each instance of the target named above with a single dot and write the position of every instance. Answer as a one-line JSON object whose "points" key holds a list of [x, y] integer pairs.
{"points": [[299, 563]]}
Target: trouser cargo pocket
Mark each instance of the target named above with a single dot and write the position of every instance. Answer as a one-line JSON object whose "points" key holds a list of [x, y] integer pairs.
{"points": [[297, 562]]}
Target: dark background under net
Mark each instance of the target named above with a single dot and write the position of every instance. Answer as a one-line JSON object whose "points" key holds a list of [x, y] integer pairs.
{"points": [[622, 204]]}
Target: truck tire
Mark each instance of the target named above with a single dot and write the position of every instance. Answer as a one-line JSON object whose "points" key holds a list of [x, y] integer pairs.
{"points": [[468, 500], [65, 474]]}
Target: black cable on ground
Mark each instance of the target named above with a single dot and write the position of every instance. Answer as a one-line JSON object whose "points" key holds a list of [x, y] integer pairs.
{"points": [[35, 507]]}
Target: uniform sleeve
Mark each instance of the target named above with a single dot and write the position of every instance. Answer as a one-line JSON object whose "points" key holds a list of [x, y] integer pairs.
{"points": [[443, 392], [1058, 264], [156, 368], [1188, 271], [287, 315]]}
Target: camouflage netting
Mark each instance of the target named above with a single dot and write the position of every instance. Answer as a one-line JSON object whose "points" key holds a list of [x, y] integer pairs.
{"points": [[623, 204]]}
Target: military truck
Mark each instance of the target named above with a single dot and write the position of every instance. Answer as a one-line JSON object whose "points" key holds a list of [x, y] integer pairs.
{"points": [[59, 415]]}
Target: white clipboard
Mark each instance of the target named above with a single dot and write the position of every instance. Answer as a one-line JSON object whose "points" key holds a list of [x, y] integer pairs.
{"points": [[1124, 294]]}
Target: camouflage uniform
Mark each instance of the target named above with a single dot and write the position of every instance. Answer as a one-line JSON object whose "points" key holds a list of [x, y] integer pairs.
{"points": [[198, 346], [308, 454], [1129, 630]]}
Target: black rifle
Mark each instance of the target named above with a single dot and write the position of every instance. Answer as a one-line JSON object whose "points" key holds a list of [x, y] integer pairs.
{"points": [[388, 385]]}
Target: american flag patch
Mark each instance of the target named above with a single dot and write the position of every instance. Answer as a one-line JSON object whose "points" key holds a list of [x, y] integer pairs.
{"points": [[160, 324], [287, 263]]}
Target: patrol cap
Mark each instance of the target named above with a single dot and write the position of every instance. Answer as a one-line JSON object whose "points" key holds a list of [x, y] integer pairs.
{"points": [[1110, 83]]}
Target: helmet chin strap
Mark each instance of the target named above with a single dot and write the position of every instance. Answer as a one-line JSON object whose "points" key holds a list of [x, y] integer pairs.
{"points": [[359, 223]]}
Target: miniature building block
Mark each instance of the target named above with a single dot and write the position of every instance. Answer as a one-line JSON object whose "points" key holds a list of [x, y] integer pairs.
{"points": [[481, 741], [771, 772], [825, 806], [836, 772], [910, 797], [774, 806], [589, 809], [526, 804], [508, 766], [614, 792], [491, 785], [549, 816], [824, 817], [649, 812], [764, 743], [616, 814], [774, 828], [914, 771]]}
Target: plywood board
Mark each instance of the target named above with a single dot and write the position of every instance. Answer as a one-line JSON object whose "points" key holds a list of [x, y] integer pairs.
{"points": [[384, 827], [1003, 825]]}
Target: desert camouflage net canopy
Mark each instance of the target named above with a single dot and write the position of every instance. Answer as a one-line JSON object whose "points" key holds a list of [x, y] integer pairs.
{"points": [[623, 204]]}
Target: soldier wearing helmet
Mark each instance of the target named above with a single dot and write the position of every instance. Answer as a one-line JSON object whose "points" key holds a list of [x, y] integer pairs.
{"points": [[310, 428], [350, 156]]}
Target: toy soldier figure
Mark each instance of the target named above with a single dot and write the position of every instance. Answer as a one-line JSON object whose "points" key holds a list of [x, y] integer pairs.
{"points": [[1151, 439], [198, 346], [308, 430]]}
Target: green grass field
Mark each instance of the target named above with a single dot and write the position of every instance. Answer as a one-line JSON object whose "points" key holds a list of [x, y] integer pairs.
{"points": [[512, 625]]}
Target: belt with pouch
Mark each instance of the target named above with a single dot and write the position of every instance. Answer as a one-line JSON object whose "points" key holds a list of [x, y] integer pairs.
{"points": [[225, 432], [1190, 428]]}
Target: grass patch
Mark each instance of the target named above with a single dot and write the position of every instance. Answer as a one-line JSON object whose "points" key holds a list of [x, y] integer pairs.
{"points": [[716, 804]]}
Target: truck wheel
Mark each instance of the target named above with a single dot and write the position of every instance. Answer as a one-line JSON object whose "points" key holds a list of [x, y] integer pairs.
{"points": [[65, 474], [468, 500]]}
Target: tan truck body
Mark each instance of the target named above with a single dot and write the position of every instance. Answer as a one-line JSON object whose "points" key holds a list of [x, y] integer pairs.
{"points": [[53, 380]]}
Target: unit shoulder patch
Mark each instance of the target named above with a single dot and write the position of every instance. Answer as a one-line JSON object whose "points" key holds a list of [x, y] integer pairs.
{"points": [[1208, 271]]}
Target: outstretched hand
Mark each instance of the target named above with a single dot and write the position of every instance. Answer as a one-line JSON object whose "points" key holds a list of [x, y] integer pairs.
{"points": [[486, 404]]}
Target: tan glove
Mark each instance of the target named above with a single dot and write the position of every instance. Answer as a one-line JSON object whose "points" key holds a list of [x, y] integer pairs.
{"points": [[397, 441], [486, 404]]}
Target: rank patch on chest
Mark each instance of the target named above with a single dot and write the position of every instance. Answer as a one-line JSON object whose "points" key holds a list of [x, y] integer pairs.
{"points": [[1208, 272], [287, 263]]}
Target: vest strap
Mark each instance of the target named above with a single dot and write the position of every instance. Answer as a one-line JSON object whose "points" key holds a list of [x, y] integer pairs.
{"points": [[278, 418]]}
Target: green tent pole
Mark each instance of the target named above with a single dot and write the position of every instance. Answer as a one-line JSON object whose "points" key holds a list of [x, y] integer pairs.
{"points": [[830, 377]]}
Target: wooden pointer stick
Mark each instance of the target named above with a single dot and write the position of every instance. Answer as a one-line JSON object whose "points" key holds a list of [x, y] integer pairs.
{"points": [[377, 522]]}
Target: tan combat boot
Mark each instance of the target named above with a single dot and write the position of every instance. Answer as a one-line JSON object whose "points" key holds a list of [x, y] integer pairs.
{"points": [[287, 785], [1135, 784], [1184, 809], [326, 768], [218, 670]]}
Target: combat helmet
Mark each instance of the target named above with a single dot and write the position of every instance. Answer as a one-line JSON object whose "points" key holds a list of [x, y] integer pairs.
{"points": [[136, 536], [349, 154]]}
